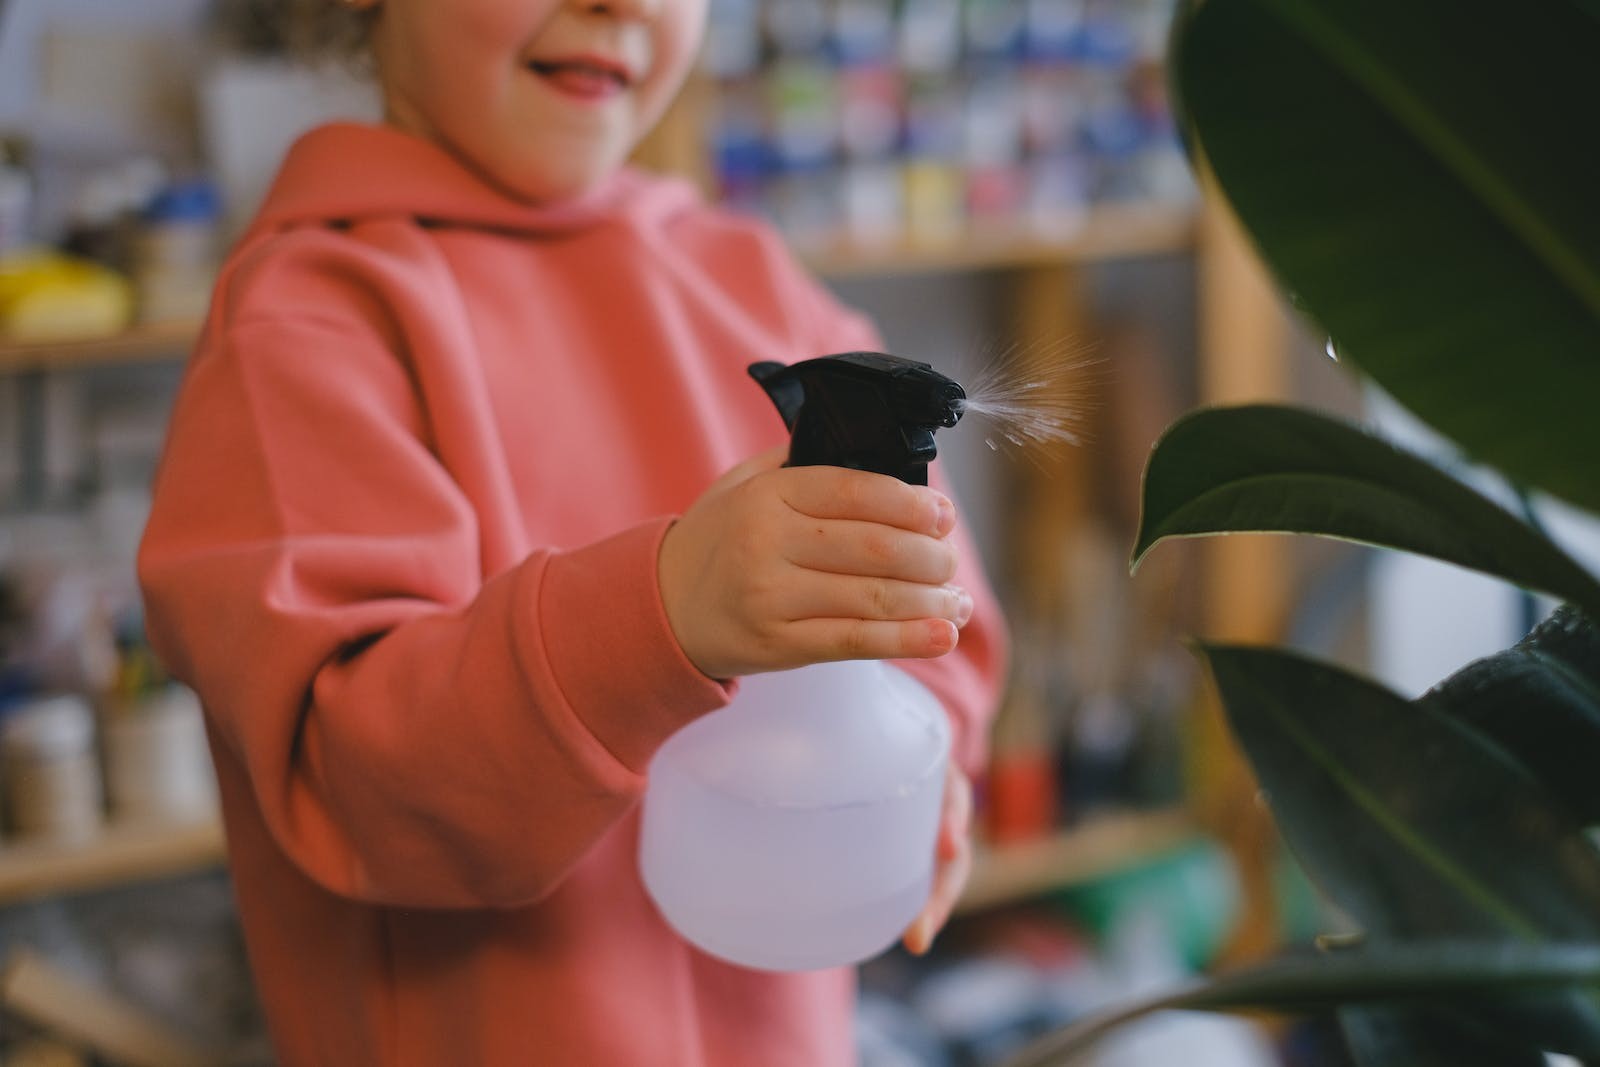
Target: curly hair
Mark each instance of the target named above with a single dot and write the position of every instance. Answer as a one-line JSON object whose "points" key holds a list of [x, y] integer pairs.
{"points": [[310, 31], [328, 29]]}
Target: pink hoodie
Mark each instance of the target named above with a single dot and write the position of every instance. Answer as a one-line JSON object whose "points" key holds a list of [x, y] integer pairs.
{"points": [[404, 547]]}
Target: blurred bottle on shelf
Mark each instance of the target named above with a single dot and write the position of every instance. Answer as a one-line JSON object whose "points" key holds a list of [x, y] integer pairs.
{"points": [[158, 768], [1018, 798], [157, 763], [796, 27], [51, 778], [1019, 792], [993, 142], [16, 197], [176, 254], [995, 30], [863, 33], [873, 201], [102, 222], [732, 46], [929, 41], [988, 114]]}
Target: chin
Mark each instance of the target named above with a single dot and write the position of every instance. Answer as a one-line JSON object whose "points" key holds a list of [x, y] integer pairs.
{"points": [[564, 177]]}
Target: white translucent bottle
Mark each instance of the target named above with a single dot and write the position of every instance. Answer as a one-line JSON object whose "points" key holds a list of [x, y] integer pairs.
{"points": [[795, 828]]}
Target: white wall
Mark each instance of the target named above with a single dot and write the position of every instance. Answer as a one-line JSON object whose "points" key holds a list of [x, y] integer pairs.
{"points": [[24, 23], [1430, 619], [92, 82]]}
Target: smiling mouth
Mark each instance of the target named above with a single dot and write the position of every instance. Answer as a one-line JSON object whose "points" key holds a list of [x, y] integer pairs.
{"points": [[582, 76]]}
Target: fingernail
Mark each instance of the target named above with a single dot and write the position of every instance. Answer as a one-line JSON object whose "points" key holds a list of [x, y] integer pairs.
{"points": [[917, 939], [941, 635], [945, 520], [964, 606]]}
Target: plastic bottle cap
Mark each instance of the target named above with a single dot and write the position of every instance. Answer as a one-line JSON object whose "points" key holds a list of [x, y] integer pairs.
{"points": [[48, 728], [185, 201]]}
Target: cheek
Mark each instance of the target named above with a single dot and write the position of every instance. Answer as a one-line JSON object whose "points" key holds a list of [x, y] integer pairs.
{"points": [[466, 55], [482, 38], [503, 25], [677, 43]]}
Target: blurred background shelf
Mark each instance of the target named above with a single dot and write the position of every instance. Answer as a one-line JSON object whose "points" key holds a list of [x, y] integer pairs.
{"points": [[159, 341], [1107, 233], [1102, 846], [1104, 233], [1016, 201], [118, 856]]}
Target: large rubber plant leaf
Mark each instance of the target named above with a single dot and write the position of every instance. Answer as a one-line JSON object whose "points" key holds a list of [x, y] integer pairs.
{"points": [[1421, 178], [1273, 468], [1540, 702], [1413, 823], [1388, 974], [1383, 1036]]}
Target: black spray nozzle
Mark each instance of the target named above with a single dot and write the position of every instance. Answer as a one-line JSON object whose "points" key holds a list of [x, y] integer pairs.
{"points": [[864, 410]]}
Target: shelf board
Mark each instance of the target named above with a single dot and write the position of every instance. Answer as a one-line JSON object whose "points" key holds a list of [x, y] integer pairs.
{"points": [[163, 341], [1102, 846], [1107, 232], [120, 854]]}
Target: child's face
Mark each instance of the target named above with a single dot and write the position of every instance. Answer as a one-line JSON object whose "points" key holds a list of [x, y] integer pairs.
{"points": [[542, 97]]}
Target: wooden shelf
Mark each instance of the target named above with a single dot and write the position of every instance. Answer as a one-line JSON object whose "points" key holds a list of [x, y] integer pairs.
{"points": [[1108, 232], [156, 342], [121, 855], [1115, 231], [29, 870], [1103, 846]]}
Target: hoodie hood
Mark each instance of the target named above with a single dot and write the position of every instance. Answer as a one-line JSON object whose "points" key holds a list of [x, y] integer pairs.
{"points": [[347, 171]]}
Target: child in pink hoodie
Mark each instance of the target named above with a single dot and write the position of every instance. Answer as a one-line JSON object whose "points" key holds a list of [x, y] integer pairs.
{"points": [[459, 521]]}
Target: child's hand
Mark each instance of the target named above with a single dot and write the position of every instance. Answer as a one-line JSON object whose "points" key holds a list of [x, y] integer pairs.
{"points": [[952, 861], [777, 567]]}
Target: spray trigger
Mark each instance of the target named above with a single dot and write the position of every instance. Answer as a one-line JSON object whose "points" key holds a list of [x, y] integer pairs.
{"points": [[863, 410]]}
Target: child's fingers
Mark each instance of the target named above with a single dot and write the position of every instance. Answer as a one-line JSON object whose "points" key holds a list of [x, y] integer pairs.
{"points": [[955, 823], [948, 881], [870, 550], [953, 861], [820, 640], [837, 493], [837, 596]]}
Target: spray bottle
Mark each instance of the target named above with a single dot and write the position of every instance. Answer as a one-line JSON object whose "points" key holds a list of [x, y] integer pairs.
{"points": [[794, 829]]}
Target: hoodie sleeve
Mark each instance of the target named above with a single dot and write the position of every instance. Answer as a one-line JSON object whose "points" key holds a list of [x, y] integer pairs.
{"points": [[970, 679], [412, 731]]}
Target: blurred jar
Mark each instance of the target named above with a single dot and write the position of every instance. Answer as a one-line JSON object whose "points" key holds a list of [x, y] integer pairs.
{"points": [[158, 768], [16, 206], [176, 254], [50, 774]]}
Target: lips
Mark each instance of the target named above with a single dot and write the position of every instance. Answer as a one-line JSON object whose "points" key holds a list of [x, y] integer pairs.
{"points": [[588, 77]]}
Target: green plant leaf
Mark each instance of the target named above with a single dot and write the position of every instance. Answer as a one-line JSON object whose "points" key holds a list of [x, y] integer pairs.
{"points": [[1410, 821], [1428, 974], [1540, 701], [1272, 468], [1420, 179], [1413, 823], [1382, 1036]]}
